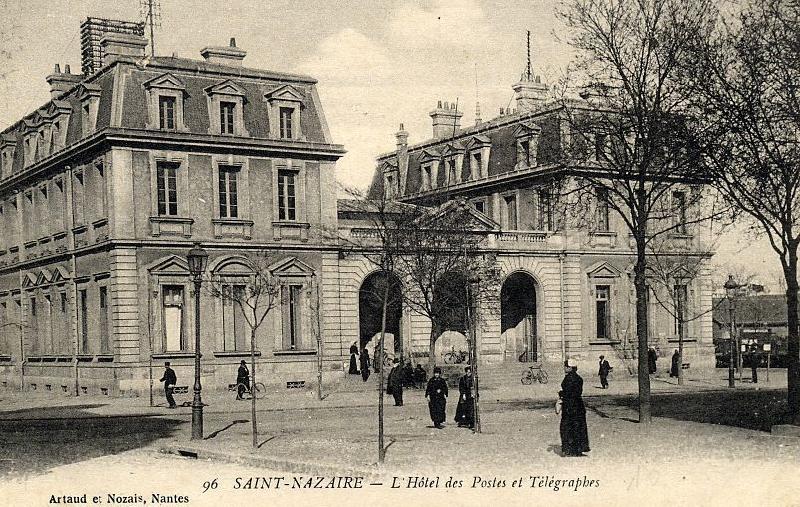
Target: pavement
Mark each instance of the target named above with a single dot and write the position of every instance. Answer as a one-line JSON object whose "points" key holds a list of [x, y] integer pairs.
{"points": [[707, 443]]}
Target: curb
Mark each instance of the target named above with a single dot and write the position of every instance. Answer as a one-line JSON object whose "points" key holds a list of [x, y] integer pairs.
{"points": [[282, 465], [786, 430]]}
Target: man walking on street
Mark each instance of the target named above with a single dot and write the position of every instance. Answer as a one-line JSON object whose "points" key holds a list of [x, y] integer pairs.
{"points": [[605, 368], [169, 379], [394, 384], [364, 363]]}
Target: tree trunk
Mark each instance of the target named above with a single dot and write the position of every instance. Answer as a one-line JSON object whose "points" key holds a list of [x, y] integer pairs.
{"points": [[253, 387], [640, 283], [681, 320], [384, 309], [431, 348], [793, 370]]}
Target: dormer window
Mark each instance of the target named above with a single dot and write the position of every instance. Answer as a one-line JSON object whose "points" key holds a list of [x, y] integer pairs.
{"points": [[479, 148], [165, 103], [166, 113], [284, 104], [225, 109], [7, 147], [428, 179], [390, 184], [90, 99], [600, 146], [527, 135], [429, 169], [450, 168]]}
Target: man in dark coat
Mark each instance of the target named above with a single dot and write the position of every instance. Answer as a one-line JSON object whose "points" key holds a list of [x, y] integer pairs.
{"points": [[169, 379], [408, 374], [353, 360], [674, 369], [652, 357], [465, 410], [574, 434], [394, 383], [603, 371], [754, 359], [364, 360], [436, 393], [242, 380]]}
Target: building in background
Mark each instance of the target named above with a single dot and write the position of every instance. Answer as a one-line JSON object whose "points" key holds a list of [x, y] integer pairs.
{"points": [[566, 287]]}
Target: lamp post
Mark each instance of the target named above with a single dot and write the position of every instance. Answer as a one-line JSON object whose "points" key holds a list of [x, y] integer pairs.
{"points": [[730, 288], [197, 259]]}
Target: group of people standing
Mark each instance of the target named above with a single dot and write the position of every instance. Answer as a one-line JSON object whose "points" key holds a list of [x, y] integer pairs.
{"points": [[436, 393]]}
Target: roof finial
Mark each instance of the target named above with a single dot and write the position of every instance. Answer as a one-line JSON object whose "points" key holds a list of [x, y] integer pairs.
{"points": [[528, 68]]}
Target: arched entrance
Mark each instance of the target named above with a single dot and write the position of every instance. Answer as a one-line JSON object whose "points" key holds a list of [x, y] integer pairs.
{"points": [[450, 307], [370, 308], [518, 317]]}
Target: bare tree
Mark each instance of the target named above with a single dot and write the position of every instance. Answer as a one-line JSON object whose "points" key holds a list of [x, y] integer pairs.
{"points": [[746, 84], [255, 294], [629, 133]]}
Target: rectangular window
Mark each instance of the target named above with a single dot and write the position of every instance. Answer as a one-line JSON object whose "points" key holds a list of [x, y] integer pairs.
{"points": [[679, 206], [86, 118], [511, 212], [167, 188], [166, 113], [78, 198], [475, 168], [290, 298], [84, 302], [545, 211], [451, 172], [228, 191], [226, 111], [286, 195], [427, 178], [233, 320], [525, 152], [390, 187], [599, 147], [173, 318], [603, 310], [63, 299], [286, 122], [680, 296], [104, 309], [602, 224], [34, 325]]}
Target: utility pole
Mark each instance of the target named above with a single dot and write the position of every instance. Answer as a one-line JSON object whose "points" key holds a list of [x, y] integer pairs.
{"points": [[150, 10]]}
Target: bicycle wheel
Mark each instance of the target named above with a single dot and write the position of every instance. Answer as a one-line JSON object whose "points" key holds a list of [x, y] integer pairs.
{"points": [[542, 377], [259, 390], [527, 379], [244, 389], [387, 361], [450, 358]]}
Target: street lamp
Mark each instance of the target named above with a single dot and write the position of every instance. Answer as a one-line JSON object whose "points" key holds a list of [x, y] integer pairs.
{"points": [[730, 289], [197, 259]]}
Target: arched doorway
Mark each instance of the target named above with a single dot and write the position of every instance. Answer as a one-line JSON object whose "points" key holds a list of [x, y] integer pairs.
{"points": [[370, 308], [450, 308], [518, 317]]}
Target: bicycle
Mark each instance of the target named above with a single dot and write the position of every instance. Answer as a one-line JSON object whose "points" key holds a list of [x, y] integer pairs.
{"points": [[454, 357], [259, 388], [534, 372]]}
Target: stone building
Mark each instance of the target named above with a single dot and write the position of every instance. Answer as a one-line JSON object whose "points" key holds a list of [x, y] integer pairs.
{"points": [[104, 188], [566, 287]]}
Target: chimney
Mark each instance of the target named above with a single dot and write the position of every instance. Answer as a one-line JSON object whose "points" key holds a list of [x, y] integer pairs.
{"points": [[224, 55], [402, 156], [60, 82], [446, 120], [530, 94], [114, 45]]}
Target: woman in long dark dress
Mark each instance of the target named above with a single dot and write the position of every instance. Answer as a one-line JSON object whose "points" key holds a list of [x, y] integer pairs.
{"points": [[465, 410], [674, 370], [364, 364], [574, 434], [353, 360], [436, 393]]}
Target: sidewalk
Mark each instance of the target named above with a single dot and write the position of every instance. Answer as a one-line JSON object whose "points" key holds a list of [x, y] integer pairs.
{"points": [[14, 405]]}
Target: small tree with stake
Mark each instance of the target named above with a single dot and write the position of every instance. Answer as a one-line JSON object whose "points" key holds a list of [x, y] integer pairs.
{"points": [[255, 292]]}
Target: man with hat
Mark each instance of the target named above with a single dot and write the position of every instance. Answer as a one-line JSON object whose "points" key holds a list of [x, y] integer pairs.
{"points": [[574, 434], [436, 393], [242, 380], [605, 368], [394, 383]]}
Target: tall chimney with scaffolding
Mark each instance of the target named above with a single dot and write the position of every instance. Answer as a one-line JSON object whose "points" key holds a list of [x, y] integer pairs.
{"points": [[529, 92]]}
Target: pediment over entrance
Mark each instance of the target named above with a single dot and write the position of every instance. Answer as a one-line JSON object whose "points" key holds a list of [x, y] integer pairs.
{"points": [[291, 267], [172, 264], [603, 270]]}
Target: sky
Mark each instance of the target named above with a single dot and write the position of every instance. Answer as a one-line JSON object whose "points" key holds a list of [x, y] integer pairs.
{"points": [[379, 63]]}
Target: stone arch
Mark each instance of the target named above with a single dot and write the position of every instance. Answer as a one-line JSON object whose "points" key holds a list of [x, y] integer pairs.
{"points": [[230, 264], [520, 300], [370, 312], [450, 304]]}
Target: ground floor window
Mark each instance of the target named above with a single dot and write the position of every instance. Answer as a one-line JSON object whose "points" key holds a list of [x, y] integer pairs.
{"points": [[234, 324], [173, 318], [290, 303]]}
